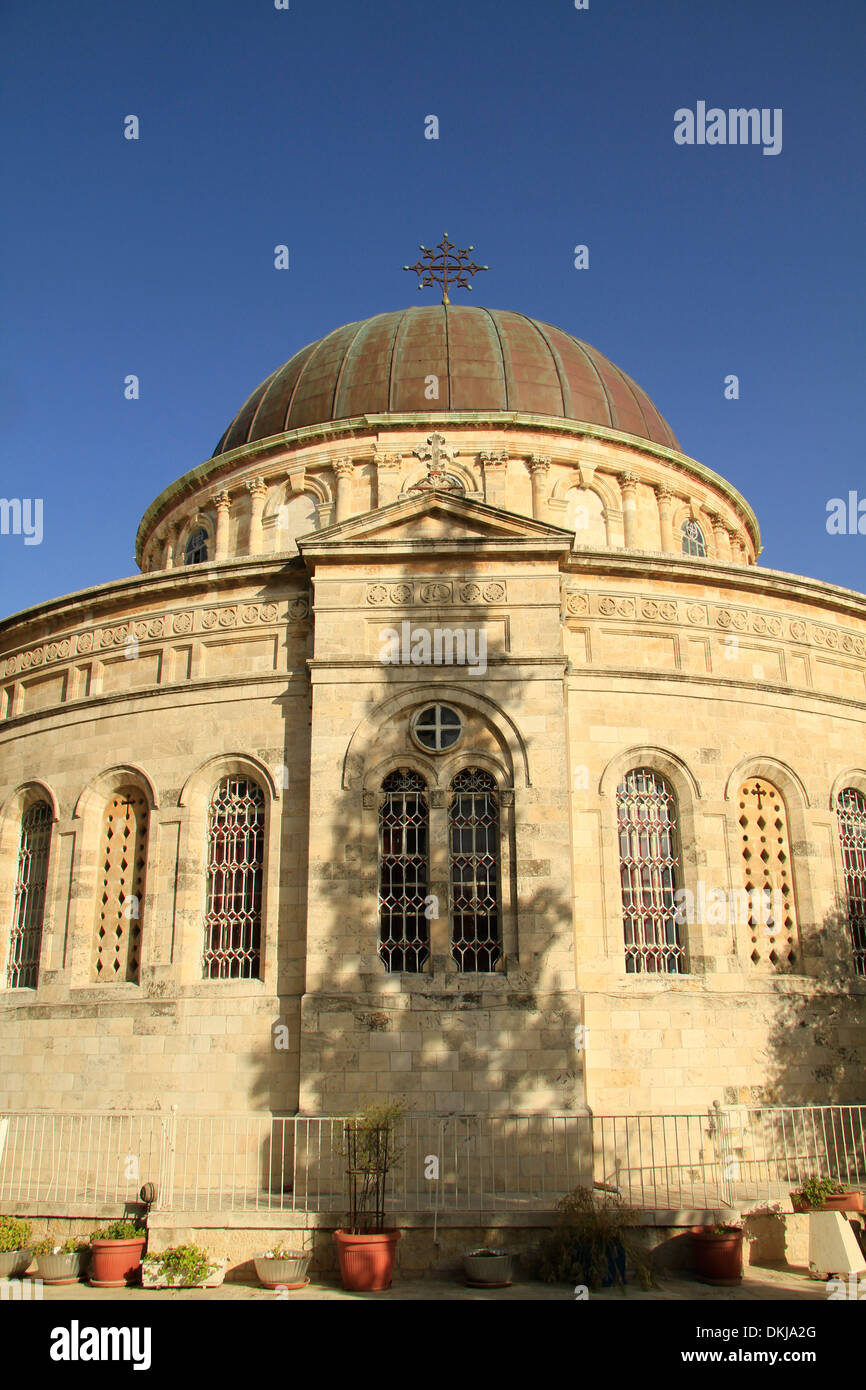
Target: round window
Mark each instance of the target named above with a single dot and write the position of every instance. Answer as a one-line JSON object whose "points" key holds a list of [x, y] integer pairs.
{"points": [[437, 728]]}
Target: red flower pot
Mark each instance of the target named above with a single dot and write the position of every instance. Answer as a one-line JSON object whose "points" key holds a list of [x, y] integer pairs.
{"points": [[366, 1261], [718, 1256], [116, 1262], [844, 1201]]}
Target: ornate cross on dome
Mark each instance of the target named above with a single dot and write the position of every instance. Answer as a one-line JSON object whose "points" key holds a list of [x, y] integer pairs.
{"points": [[445, 269], [434, 455]]}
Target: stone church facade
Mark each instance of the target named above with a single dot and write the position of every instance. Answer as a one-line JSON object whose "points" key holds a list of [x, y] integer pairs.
{"points": [[451, 744]]}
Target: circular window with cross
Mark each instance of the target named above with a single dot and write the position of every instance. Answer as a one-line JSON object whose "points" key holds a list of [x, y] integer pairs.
{"points": [[437, 728]]}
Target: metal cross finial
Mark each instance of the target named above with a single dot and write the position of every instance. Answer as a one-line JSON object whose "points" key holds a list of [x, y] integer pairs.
{"points": [[445, 268]]}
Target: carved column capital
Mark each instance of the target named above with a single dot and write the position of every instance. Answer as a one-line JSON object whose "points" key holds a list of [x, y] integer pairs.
{"points": [[344, 468], [493, 462], [257, 487], [538, 463], [628, 481], [663, 493], [221, 500]]}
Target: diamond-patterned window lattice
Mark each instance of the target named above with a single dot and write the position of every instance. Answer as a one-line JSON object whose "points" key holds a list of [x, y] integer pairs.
{"points": [[195, 550], [404, 838], [693, 540], [767, 879], [29, 908], [649, 866], [473, 824], [851, 810], [233, 913], [122, 868]]}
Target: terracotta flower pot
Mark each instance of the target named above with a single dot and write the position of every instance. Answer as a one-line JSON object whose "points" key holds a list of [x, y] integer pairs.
{"points": [[799, 1203], [290, 1273], [366, 1261], [718, 1256], [116, 1262], [844, 1201]]}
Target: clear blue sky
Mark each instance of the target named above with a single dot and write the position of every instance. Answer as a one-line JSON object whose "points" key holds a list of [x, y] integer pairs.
{"points": [[306, 127]]}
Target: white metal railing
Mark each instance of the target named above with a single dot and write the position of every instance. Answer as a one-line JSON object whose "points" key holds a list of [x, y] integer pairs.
{"points": [[734, 1157]]}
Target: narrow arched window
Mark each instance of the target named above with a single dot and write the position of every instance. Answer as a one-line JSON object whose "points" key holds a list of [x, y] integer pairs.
{"points": [[851, 811], [476, 916], [123, 860], [195, 550], [235, 858], [650, 874], [769, 909], [29, 907], [404, 837], [693, 539]]}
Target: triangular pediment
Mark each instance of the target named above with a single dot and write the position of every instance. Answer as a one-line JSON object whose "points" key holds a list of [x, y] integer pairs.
{"points": [[436, 520]]}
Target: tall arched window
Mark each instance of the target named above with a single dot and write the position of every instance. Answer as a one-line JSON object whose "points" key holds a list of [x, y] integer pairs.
{"points": [[693, 539], [235, 858], [473, 826], [117, 954], [195, 550], [404, 837], [771, 914], [649, 866], [29, 907], [851, 810]]}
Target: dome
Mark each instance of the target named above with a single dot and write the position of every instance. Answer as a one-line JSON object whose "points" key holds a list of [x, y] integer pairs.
{"points": [[486, 360]]}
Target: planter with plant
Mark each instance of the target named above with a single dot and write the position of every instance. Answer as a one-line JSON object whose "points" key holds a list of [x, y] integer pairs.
{"points": [[488, 1269], [15, 1253], [283, 1269], [182, 1267], [825, 1194], [366, 1248], [592, 1242], [117, 1250], [61, 1261], [718, 1253]]}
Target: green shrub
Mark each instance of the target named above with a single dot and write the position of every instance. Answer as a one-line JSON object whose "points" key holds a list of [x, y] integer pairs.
{"points": [[184, 1264], [14, 1233], [119, 1230], [813, 1190], [583, 1247], [52, 1245]]}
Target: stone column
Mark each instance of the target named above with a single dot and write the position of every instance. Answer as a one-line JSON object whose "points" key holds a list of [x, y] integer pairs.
{"points": [[539, 467], [387, 478], [665, 502], [738, 546], [222, 503], [494, 470], [628, 485], [258, 491], [722, 538], [171, 534], [345, 471]]}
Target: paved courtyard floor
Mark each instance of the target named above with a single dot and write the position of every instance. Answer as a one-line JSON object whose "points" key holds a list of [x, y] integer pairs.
{"points": [[759, 1283]]}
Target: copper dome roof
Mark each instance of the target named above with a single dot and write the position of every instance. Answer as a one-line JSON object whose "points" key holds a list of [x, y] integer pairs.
{"points": [[486, 360]]}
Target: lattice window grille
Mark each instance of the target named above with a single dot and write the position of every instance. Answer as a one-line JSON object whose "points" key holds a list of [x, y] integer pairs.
{"points": [[650, 874], [693, 540], [473, 821], [29, 905], [235, 858], [124, 859], [404, 838], [851, 811], [767, 876]]}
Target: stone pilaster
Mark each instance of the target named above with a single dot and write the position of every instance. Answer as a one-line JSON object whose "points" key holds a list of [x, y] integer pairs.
{"points": [[258, 491], [387, 478], [628, 487], [665, 499], [494, 470], [222, 503], [539, 468], [722, 536], [344, 470]]}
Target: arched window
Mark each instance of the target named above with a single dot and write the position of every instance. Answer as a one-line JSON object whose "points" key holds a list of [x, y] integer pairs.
{"points": [[29, 907], [771, 915], [195, 550], [404, 836], [235, 857], [693, 539], [123, 860], [476, 917], [851, 810], [649, 866]]}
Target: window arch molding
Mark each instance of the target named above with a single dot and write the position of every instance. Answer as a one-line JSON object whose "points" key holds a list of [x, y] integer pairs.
{"points": [[688, 793], [200, 521], [14, 808], [194, 801], [414, 760], [783, 776], [363, 741], [855, 777]]}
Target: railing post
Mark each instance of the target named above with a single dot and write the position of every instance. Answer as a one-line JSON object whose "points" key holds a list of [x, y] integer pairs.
{"points": [[165, 1191]]}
